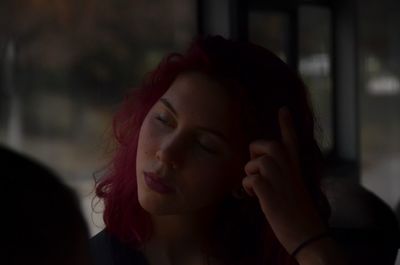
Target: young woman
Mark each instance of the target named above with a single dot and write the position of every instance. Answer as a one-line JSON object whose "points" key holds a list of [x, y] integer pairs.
{"points": [[216, 164]]}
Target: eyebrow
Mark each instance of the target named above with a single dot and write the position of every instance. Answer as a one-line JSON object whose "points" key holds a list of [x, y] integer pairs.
{"points": [[218, 134], [169, 106]]}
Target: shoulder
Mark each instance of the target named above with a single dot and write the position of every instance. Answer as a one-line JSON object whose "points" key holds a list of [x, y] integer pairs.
{"points": [[100, 246], [107, 250]]}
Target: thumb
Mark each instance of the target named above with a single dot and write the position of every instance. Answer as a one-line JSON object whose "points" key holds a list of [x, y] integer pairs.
{"points": [[249, 184]]}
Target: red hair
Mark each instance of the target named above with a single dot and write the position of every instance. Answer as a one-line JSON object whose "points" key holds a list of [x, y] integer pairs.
{"points": [[262, 83]]}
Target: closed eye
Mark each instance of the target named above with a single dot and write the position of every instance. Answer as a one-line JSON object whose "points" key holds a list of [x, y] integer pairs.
{"points": [[207, 149], [205, 144], [163, 120]]}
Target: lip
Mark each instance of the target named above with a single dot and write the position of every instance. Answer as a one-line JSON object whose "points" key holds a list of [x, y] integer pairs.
{"points": [[155, 183]]}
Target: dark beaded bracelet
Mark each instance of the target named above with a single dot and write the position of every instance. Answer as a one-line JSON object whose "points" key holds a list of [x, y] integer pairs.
{"points": [[309, 241]]}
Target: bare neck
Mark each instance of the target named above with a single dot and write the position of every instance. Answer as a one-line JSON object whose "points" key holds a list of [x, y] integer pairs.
{"points": [[178, 239]]}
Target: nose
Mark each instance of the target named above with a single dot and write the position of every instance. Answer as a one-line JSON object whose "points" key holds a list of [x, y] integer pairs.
{"points": [[171, 152]]}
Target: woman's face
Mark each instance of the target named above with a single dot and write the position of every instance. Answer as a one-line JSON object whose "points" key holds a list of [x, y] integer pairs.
{"points": [[190, 148]]}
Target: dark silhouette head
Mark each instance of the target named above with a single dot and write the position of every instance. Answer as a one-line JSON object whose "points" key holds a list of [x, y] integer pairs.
{"points": [[43, 222], [362, 223]]}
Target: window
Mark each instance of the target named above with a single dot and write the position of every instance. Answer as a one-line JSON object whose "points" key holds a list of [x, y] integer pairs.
{"points": [[315, 49], [272, 29], [379, 98], [65, 66]]}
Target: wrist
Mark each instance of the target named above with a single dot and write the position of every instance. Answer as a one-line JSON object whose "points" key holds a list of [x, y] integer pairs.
{"points": [[310, 241], [324, 251]]}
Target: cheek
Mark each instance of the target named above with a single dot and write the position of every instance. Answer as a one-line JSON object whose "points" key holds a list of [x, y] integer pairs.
{"points": [[147, 138], [220, 181], [211, 180], [145, 146]]}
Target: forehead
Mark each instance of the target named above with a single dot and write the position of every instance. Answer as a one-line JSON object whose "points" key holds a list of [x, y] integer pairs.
{"points": [[199, 99]]}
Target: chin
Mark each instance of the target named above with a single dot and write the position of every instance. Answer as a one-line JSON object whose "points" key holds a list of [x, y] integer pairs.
{"points": [[156, 205]]}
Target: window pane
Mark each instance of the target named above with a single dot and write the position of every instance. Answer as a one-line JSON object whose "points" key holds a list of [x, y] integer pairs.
{"points": [[380, 97], [270, 30], [65, 66], [315, 66]]}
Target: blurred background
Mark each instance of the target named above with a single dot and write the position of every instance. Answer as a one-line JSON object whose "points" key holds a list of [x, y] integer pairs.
{"points": [[65, 66]]}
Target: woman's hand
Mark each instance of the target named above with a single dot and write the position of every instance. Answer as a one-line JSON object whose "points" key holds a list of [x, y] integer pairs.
{"points": [[274, 177]]}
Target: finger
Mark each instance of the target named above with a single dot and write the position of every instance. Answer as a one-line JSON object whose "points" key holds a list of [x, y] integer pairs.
{"points": [[273, 149], [247, 184], [256, 148], [264, 166], [289, 137], [254, 184]]}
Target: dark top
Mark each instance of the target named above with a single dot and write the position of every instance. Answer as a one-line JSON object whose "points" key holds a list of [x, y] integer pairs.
{"points": [[362, 246], [107, 250]]}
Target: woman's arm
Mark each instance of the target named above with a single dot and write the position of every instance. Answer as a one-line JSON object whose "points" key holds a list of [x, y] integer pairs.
{"points": [[274, 177], [322, 252]]}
